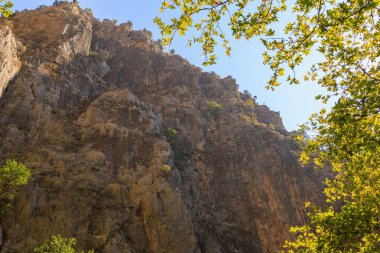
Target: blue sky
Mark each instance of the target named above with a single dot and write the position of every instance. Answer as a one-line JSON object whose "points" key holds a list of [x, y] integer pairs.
{"points": [[295, 103]]}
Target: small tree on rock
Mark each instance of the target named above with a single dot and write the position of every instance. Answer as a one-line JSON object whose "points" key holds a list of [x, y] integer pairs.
{"points": [[59, 244], [12, 175]]}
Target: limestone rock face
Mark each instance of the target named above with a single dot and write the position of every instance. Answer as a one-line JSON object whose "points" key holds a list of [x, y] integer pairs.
{"points": [[271, 118], [9, 63], [126, 153], [57, 33]]}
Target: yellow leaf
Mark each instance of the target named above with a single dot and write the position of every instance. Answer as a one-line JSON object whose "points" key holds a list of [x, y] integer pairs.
{"points": [[281, 72]]}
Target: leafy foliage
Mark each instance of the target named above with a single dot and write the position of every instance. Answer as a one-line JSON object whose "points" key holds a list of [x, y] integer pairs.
{"points": [[213, 106], [171, 136], [246, 118], [5, 9], [166, 168], [211, 12], [180, 156], [59, 244], [12, 175], [347, 139], [250, 102], [298, 138], [59, 2]]}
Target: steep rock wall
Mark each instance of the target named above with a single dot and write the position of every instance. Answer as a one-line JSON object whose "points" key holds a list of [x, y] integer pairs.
{"points": [[92, 124]]}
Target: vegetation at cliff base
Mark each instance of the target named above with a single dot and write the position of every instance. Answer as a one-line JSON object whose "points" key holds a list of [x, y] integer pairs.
{"points": [[347, 137], [58, 244]]}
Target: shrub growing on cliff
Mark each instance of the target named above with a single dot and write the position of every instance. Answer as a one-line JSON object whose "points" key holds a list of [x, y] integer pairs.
{"points": [[59, 2], [12, 175], [130, 24], [213, 106], [58, 244], [298, 138], [250, 102], [166, 169], [171, 136]]}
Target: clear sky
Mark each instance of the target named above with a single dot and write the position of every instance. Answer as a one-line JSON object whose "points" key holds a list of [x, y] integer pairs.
{"points": [[295, 103]]}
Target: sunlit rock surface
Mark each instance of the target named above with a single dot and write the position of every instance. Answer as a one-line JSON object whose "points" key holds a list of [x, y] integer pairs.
{"points": [[9, 63], [89, 113]]}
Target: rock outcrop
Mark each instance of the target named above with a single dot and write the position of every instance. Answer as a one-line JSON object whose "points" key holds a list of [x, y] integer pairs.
{"points": [[9, 63], [129, 152]]}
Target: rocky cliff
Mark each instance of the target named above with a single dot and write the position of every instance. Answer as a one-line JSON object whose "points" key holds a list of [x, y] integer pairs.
{"points": [[9, 63], [136, 150]]}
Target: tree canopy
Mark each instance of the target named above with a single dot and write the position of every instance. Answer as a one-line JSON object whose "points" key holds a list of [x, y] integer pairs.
{"points": [[5, 8], [58, 244], [12, 175], [347, 137]]}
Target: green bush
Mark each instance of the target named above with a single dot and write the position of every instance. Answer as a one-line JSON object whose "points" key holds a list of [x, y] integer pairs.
{"points": [[246, 118], [171, 136], [250, 102], [12, 175], [213, 106], [166, 168], [298, 138], [58, 244]]}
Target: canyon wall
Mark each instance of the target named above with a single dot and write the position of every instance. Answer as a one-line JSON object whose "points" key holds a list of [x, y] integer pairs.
{"points": [[133, 149]]}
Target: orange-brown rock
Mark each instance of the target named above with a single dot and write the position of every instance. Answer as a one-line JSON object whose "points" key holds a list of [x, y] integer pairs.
{"points": [[89, 113], [9, 63]]}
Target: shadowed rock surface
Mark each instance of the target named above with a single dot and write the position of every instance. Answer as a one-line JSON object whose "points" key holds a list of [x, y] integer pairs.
{"points": [[97, 111]]}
